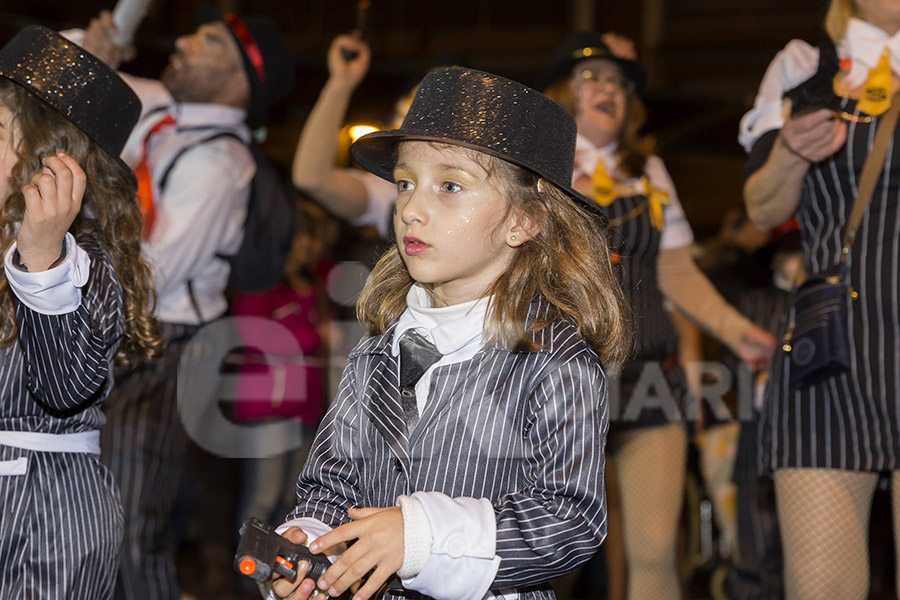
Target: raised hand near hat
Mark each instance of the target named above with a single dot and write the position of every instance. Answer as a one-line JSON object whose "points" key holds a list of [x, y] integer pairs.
{"points": [[98, 40], [52, 201]]}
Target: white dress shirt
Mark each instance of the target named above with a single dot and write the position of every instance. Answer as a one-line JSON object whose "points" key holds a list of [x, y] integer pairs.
{"points": [[201, 211]]}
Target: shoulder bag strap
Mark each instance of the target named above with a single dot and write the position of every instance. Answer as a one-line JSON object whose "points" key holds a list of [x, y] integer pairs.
{"points": [[871, 170]]}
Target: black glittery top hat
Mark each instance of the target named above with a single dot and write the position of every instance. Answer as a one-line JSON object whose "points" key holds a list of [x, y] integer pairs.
{"points": [[75, 83], [267, 61], [582, 46], [487, 113]]}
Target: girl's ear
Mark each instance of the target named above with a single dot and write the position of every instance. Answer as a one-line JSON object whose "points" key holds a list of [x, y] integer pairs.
{"points": [[523, 226]]}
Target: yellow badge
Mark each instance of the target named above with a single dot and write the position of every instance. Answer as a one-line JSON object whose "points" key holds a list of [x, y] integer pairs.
{"points": [[876, 97], [656, 199], [603, 190]]}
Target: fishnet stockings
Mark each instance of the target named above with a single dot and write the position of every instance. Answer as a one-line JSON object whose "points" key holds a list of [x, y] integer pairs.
{"points": [[824, 520], [650, 466]]}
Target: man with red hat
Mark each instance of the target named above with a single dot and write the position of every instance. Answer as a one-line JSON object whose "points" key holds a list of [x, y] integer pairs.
{"points": [[190, 153]]}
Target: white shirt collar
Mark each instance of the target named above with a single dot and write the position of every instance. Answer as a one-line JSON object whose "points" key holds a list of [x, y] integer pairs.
{"points": [[863, 44], [450, 328], [587, 155]]}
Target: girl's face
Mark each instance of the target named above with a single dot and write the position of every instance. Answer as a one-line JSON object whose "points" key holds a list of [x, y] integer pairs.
{"points": [[601, 97], [452, 224], [9, 136]]}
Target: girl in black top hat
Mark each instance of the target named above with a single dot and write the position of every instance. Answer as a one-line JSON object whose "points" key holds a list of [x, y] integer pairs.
{"points": [[75, 296], [464, 450]]}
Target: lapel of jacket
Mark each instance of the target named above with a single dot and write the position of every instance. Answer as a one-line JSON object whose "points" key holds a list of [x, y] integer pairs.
{"points": [[381, 392]]}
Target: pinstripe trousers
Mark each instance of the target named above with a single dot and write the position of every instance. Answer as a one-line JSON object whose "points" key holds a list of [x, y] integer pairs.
{"points": [[145, 446], [60, 527]]}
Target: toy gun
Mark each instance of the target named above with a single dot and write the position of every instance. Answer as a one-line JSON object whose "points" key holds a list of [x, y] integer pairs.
{"points": [[362, 28], [262, 551]]}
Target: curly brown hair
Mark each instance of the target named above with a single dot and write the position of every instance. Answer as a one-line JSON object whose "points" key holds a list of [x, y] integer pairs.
{"points": [[567, 263], [108, 214]]}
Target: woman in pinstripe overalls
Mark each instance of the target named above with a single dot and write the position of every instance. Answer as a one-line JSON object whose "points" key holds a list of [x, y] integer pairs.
{"points": [[597, 77], [485, 463], [828, 442], [74, 295]]}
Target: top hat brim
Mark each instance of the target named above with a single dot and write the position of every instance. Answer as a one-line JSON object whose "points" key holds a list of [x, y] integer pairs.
{"points": [[376, 153]]}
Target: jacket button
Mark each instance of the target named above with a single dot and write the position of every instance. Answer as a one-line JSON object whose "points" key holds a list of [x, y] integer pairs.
{"points": [[456, 546], [398, 466]]}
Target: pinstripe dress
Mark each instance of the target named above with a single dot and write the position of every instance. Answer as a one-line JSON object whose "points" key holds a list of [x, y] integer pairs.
{"points": [[61, 522], [526, 430], [636, 244], [851, 421]]}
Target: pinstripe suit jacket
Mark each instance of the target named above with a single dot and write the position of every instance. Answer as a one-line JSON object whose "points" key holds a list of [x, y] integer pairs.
{"points": [[525, 430], [54, 378]]}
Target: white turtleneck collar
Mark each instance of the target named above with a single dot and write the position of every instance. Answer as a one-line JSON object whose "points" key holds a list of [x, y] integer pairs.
{"points": [[451, 328]]}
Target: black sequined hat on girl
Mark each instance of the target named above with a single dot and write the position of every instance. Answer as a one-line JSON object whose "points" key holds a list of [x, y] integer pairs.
{"points": [[487, 113], [75, 83]]}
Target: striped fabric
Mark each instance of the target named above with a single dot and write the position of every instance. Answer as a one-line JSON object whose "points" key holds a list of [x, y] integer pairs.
{"points": [[757, 564], [61, 523], [637, 243], [146, 448], [525, 430], [851, 421]]}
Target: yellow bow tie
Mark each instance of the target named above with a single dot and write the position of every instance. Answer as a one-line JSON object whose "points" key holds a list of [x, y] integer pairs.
{"points": [[603, 190], [656, 198], [876, 97]]}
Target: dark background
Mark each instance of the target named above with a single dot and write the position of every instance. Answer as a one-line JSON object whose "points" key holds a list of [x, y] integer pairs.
{"points": [[705, 59]]}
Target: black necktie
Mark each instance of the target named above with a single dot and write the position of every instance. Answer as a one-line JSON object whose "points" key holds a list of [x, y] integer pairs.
{"points": [[416, 355]]}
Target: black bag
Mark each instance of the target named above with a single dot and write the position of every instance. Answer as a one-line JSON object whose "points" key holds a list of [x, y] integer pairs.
{"points": [[269, 227], [816, 339]]}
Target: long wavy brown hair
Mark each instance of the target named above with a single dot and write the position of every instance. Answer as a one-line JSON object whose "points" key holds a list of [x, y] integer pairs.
{"points": [[567, 263], [109, 213]]}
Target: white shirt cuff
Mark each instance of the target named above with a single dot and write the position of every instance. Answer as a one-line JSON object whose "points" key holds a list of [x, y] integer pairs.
{"points": [[56, 291], [463, 561], [417, 537], [313, 528]]}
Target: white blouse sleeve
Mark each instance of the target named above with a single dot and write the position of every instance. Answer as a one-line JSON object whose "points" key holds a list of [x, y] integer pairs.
{"points": [[796, 63], [676, 231]]}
